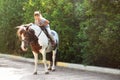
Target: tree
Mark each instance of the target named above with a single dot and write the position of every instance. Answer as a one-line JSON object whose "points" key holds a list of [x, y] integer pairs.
{"points": [[11, 16], [101, 29]]}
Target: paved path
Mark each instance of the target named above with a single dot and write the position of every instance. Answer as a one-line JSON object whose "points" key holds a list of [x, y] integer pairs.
{"points": [[16, 70]]}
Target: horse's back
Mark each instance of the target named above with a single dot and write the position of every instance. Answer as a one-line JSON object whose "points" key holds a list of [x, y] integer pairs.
{"points": [[55, 36]]}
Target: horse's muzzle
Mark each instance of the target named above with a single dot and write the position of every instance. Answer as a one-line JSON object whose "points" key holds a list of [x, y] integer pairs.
{"points": [[23, 48]]}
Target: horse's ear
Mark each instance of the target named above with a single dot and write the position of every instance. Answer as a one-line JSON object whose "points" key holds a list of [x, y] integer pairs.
{"points": [[17, 27], [30, 24], [27, 28]]}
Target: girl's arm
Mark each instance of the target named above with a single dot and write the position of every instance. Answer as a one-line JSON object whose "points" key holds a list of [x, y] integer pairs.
{"points": [[46, 22]]}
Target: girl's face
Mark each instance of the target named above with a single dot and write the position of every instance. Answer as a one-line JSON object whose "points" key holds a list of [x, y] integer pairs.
{"points": [[36, 17]]}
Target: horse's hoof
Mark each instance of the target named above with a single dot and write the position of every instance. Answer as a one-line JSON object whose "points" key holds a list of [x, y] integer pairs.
{"points": [[53, 70], [49, 69], [35, 73], [46, 72]]}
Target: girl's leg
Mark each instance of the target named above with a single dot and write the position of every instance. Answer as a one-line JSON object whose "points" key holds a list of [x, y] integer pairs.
{"points": [[49, 33]]}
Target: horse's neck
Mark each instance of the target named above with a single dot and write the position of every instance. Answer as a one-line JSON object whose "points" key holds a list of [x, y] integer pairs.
{"points": [[42, 38], [36, 29]]}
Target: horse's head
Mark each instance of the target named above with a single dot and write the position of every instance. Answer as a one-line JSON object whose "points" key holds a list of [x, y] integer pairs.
{"points": [[26, 36]]}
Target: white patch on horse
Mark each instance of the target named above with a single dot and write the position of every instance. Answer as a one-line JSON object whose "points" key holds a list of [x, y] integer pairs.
{"points": [[22, 43]]}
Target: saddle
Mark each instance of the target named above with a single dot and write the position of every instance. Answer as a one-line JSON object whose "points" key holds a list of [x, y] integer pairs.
{"points": [[46, 32]]}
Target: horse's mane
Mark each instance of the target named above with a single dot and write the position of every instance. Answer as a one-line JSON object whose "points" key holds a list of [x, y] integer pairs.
{"points": [[20, 30]]}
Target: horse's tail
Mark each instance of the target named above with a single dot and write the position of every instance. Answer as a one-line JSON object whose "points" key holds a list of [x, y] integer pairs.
{"points": [[56, 59]]}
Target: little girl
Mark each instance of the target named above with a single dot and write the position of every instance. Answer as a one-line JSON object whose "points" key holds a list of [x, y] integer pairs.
{"points": [[44, 24]]}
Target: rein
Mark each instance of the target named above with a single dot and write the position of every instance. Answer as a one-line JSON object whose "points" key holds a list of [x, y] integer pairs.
{"points": [[39, 33]]}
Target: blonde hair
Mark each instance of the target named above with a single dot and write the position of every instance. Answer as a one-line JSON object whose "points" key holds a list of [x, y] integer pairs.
{"points": [[38, 13]]}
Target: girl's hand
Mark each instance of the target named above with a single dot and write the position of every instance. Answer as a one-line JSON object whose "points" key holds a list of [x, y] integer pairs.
{"points": [[45, 23]]}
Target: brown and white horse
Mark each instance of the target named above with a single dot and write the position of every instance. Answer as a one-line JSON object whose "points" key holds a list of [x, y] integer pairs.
{"points": [[34, 36]]}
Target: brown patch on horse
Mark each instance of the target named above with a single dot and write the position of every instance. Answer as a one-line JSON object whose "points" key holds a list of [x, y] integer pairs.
{"points": [[33, 41], [20, 32], [35, 47]]}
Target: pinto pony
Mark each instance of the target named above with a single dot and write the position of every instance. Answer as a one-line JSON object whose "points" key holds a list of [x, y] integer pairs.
{"points": [[34, 36]]}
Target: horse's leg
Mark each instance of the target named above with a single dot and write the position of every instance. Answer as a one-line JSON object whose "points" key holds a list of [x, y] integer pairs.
{"points": [[53, 59], [35, 61], [45, 62], [50, 63]]}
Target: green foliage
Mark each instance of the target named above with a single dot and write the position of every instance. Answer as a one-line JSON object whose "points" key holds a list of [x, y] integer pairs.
{"points": [[101, 33], [10, 18]]}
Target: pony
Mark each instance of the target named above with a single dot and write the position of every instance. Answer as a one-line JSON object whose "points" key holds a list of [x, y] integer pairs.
{"points": [[33, 35]]}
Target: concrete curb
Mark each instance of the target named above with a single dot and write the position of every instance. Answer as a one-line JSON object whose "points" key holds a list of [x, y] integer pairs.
{"points": [[68, 65]]}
